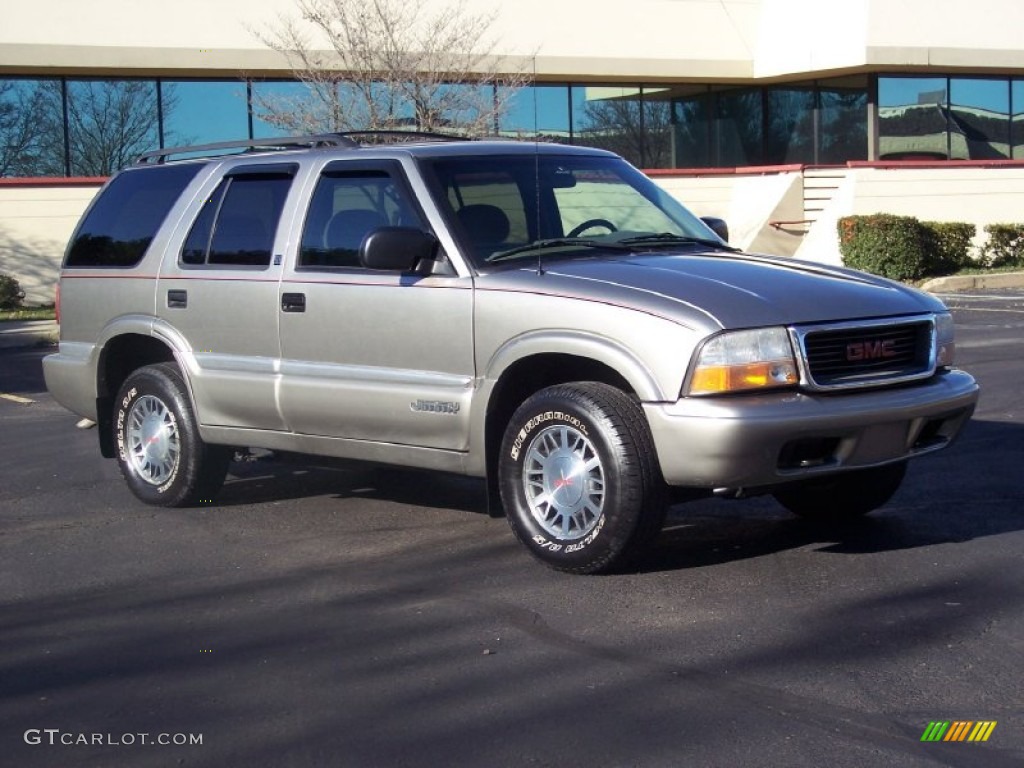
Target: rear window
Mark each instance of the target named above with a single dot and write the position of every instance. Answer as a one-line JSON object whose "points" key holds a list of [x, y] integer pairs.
{"points": [[122, 223]]}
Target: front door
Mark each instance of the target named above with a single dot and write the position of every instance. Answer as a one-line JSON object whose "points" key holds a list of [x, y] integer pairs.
{"points": [[372, 355]]}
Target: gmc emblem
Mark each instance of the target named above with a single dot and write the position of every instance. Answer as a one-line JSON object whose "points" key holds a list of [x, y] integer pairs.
{"points": [[870, 350]]}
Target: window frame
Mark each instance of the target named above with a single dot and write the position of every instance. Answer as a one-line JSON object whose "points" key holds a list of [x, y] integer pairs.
{"points": [[382, 168], [225, 182]]}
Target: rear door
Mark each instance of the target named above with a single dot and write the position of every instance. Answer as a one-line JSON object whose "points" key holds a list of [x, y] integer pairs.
{"points": [[220, 293], [372, 355]]}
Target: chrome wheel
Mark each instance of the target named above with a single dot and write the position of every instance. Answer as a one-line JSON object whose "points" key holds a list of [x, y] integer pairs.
{"points": [[154, 446], [564, 482]]}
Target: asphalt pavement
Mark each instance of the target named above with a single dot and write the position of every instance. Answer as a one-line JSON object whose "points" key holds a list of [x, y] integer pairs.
{"points": [[365, 617]]}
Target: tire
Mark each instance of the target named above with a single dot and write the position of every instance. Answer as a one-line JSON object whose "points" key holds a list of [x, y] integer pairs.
{"points": [[845, 496], [161, 455], [559, 434]]}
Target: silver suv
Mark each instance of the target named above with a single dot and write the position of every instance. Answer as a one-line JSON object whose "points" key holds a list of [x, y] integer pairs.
{"points": [[540, 315]]}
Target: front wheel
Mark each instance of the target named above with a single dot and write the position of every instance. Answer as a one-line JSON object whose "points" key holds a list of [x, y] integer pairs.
{"points": [[162, 457], [844, 496], [579, 478]]}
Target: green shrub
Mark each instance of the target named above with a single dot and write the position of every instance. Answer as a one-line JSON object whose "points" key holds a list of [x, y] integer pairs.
{"points": [[10, 293], [883, 244], [1005, 245], [948, 246]]}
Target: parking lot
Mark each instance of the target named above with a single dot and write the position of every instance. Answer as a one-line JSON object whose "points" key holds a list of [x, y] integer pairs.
{"points": [[355, 616]]}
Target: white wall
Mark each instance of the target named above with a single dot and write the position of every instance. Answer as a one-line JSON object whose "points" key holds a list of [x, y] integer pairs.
{"points": [[642, 40], [35, 224], [646, 39]]}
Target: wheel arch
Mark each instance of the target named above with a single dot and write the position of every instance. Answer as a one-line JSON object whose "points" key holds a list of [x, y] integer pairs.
{"points": [[524, 376], [121, 353]]}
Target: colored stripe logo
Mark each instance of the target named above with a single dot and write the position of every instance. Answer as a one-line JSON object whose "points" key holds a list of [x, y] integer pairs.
{"points": [[958, 730]]}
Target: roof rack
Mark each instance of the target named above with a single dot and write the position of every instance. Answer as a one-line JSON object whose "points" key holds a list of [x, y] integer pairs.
{"points": [[160, 156], [349, 139]]}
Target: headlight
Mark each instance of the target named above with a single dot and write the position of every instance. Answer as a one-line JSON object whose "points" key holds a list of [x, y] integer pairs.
{"points": [[945, 345], [738, 361]]}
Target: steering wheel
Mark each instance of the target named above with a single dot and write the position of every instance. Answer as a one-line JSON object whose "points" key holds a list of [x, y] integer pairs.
{"points": [[581, 228]]}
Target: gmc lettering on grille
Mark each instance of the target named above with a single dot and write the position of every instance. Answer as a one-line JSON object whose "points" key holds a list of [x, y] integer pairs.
{"points": [[870, 350]]}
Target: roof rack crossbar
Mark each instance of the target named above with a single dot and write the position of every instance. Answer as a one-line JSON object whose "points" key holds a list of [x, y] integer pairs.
{"points": [[398, 134], [160, 156]]}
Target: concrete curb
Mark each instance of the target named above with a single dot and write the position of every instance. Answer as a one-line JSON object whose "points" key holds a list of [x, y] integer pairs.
{"points": [[955, 283], [27, 333]]}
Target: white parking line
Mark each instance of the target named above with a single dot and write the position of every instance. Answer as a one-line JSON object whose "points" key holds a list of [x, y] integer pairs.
{"points": [[16, 399]]}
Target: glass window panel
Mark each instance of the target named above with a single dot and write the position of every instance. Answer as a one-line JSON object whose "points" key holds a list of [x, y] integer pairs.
{"points": [[110, 123], [843, 120], [691, 118], [657, 125], [790, 126], [200, 112], [609, 117], [31, 128], [912, 118], [247, 221], [126, 217], [345, 208], [739, 132], [540, 111], [290, 108], [1017, 118], [979, 118]]}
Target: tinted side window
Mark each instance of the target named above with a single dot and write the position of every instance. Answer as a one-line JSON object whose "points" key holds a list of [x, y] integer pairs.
{"points": [[124, 220], [345, 208], [236, 226]]}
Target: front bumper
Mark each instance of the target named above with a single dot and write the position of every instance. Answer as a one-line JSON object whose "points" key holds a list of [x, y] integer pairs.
{"points": [[765, 440]]}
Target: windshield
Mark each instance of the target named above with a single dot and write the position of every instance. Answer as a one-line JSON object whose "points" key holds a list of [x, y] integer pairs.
{"points": [[508, 208]]}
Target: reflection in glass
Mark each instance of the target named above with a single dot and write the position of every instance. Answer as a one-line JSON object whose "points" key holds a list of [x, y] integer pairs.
{"points": [[790, 126], [691, 119], [979, 118], [31, 128], [843, 121], [290, 108], [203, 111], [1017, 118], [540, 111], [111, 122], [631, 122], [739, 128], [912, 118]]}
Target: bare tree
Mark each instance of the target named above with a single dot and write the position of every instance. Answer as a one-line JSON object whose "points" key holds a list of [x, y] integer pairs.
{"points": [[385, 64], [21, 118]]}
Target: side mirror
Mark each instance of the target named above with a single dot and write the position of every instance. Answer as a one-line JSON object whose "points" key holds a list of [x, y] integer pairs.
{"points": [[397, 248], [718, 226]]}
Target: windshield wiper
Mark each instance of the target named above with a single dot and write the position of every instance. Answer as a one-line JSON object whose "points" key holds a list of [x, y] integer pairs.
{"points": [[667, 238], [557, 242]]}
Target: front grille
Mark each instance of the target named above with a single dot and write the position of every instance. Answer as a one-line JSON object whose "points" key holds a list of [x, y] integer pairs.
{"points": [[869, 354]]}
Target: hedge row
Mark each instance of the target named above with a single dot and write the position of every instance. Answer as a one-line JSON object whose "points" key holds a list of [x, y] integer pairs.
{"points": [[903, 248], [10, 292], [1005, 246]]}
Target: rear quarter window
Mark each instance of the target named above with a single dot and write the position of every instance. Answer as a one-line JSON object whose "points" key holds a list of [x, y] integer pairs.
{"points": [[119, 227]]}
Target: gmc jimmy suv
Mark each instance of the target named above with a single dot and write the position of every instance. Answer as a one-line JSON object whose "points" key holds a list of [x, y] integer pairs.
{"points": [[543, 316]]}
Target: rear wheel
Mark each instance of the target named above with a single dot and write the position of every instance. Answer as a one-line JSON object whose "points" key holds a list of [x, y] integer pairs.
{"points": [[162, 457], [844, 496], [579, 478]]}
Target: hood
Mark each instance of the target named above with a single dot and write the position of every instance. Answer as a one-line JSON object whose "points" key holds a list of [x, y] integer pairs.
{"points": [[715, 290]]}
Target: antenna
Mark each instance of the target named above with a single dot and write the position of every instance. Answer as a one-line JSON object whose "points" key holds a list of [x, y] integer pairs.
{"points": [[536, 165]]}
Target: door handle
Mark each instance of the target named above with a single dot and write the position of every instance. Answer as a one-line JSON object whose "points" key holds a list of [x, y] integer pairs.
{"points": [[177, 299], [293, 302]]}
